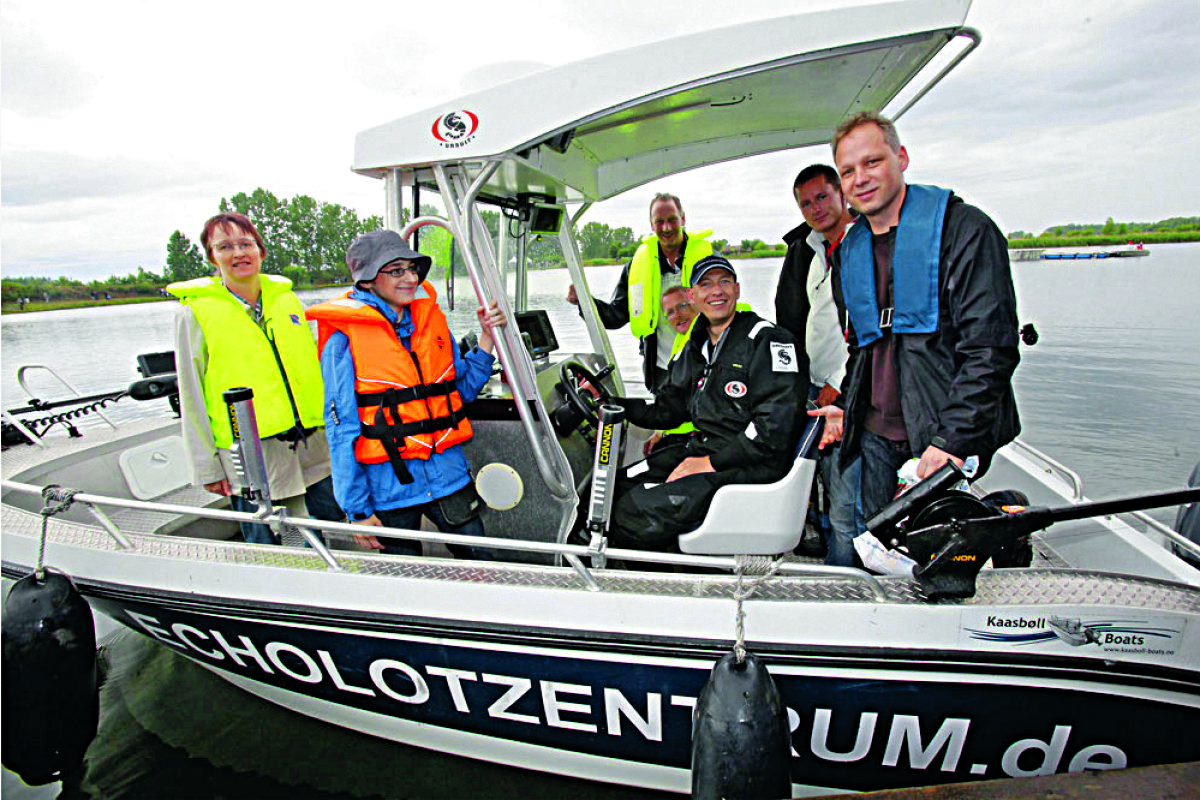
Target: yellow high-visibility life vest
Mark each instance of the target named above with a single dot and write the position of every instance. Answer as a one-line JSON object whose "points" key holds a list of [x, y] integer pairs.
{"points": [[241, 354], [645, 280]]}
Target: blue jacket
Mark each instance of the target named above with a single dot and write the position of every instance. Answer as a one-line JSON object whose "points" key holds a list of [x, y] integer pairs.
{"points": [[362, 488]]}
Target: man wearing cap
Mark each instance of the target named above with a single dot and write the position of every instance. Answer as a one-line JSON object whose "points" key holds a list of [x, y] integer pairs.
{"points": [[395, 387], [738, 381], [665, 258]]}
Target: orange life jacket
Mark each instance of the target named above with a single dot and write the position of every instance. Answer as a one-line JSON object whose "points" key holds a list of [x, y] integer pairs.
{"points": [[408, 402]]}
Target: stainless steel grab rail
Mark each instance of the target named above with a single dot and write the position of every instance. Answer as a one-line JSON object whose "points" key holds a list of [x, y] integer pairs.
{"points": [[129, 544]]}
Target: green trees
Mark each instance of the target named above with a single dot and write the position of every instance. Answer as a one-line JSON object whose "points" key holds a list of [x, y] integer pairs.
{"points": [[597, 240], [1172, 229], [302, 232], [184, 260]]}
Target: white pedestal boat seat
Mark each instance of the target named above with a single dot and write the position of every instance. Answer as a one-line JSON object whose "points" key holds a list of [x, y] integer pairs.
{"points": [[759, 518]]}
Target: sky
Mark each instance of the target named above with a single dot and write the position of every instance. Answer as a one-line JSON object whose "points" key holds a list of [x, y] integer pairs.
{"points": [[123, 121]]}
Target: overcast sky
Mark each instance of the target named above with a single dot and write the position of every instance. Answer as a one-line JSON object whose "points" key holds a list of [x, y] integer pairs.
{"points": [[123, 121]]}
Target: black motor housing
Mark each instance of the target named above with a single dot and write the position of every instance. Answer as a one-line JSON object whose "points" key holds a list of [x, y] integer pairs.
{"points": [[51, 698]]}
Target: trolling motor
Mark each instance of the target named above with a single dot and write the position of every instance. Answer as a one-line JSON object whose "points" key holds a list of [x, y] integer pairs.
{"points": [[610, 447], [951, 534]]}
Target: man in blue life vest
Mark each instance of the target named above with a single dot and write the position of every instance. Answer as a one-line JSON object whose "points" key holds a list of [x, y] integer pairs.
{"points": [[663, 259], [737, 381], [395, 387], [248, 329], [933, 320], [808, 303]]}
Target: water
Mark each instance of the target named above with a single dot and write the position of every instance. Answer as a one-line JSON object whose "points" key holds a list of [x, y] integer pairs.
{"points": [[1112, 390]]}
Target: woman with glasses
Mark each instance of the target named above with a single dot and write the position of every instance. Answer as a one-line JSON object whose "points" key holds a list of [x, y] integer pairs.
{"points": [[395, 388], [240, 327]]}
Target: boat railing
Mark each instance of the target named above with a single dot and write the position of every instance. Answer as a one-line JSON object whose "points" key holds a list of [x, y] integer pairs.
{"points": [[973, 39], [468, 228], [1154, 527], [21, 373], [573, 554], [1050, 465]]}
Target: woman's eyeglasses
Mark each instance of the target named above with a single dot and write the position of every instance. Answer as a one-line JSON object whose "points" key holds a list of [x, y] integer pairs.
{"points": [[400, 272]]}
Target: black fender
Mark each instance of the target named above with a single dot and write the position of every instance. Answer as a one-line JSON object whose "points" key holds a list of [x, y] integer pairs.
{"points": [[51, 689]]}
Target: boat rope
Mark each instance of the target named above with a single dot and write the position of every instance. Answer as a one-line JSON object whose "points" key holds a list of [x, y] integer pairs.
{"points": [[764, 567], [55, 500]]}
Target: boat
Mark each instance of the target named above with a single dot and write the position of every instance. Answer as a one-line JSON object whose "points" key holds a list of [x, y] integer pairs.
{"points": [[552, 659]]}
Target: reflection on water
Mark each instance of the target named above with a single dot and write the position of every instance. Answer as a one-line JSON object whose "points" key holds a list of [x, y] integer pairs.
{"points": [[170, 728], [1112, 390]]}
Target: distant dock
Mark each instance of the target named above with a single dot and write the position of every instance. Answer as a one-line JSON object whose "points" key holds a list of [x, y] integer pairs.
{"points": [[1072, 253]]}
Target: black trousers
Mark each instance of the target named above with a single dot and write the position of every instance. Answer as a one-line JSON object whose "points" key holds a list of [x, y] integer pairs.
{"points": [[650, 514]]}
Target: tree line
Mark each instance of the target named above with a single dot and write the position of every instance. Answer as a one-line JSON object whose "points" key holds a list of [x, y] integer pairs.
{"points": [[307, 241], [1172, 229]]}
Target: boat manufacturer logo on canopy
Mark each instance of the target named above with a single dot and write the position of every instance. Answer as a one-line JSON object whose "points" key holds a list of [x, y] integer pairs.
{"points": [[455, 128]]}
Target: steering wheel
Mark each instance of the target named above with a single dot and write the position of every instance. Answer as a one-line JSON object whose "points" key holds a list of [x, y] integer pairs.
{"points": [[583, 401]]}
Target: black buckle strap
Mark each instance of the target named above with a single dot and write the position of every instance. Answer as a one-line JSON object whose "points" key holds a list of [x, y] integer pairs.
{"points": [[421, 392], [393, 440], [383, 430], [391, 434]]}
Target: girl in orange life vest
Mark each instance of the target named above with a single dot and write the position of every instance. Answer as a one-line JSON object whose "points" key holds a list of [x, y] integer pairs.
{"points": [[395, 385]]}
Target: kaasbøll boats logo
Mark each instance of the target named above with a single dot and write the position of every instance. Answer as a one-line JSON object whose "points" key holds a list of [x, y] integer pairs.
{"points": [[455, 128]]}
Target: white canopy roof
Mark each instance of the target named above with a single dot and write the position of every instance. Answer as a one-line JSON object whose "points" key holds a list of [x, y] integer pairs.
{"points": [[596, 128]]}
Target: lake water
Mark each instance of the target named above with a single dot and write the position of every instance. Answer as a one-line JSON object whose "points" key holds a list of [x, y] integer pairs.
{"points": [[1112, 390]]}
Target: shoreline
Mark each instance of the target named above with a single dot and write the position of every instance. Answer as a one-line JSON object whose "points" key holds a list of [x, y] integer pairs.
{"points": [[58, 305], [1014, 246]]}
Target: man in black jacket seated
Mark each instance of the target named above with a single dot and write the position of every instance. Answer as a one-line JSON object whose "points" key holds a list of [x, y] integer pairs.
{"points": [[739, 381], [933, 320]]}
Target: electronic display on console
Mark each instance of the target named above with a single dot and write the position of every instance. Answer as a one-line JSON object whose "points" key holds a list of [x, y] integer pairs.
{"points": [[536, 326]]}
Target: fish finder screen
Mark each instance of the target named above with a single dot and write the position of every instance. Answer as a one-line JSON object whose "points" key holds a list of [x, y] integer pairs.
{"points": [[536, 325], [150, 364], [545, 219]]}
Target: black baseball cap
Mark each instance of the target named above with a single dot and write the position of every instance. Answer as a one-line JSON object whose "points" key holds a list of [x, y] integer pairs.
{"points": [[712, 262]]}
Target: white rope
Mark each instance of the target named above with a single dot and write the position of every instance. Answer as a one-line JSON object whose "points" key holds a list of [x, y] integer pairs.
{"points": [[765, 568], [55, 500]]}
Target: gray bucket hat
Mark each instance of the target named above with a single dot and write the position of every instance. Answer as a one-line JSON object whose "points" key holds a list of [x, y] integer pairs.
{"points": [[374, 250]]}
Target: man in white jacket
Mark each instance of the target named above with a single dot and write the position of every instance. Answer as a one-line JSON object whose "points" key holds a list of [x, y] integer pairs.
{"points": [[808, 304]]}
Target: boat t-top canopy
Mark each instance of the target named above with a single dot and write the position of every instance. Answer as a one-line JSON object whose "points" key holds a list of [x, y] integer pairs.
{"points": [[607, 124]]}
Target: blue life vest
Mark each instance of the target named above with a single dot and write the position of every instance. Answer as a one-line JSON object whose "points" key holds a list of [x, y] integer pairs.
{"points": [[915, 260]]}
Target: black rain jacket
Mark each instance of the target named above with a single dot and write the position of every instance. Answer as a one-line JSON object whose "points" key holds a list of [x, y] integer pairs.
{"points": [[956, 383], [745, 406], [791, 296]]}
